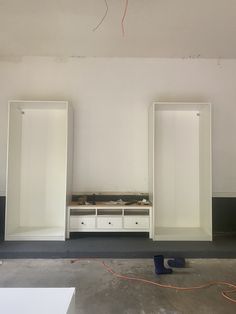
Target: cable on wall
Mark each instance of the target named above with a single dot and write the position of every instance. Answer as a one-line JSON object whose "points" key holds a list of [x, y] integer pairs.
{"points": [[122, 19], [103, 18], [124, 16]]}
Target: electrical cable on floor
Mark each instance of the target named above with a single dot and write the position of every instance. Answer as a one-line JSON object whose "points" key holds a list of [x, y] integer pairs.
{"points": [[150, 282]]}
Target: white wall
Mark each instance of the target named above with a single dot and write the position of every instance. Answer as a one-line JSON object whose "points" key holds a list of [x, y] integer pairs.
{"points": [[110, 99]]}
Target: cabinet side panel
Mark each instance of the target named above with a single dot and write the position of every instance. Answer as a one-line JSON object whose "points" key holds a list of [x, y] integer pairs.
{"points": [[13, 169], [151, 134], [70, 140], [205, 169]]}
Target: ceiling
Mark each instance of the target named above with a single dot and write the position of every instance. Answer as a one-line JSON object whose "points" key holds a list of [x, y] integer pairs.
{"points": [[153, 28]]}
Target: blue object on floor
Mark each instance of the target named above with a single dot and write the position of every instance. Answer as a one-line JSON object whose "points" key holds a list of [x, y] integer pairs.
{"points": [[178, 262], [160, 269]]}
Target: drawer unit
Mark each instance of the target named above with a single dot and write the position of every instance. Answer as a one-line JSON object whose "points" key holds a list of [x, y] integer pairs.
{"points": [[109, 222], [111, 218], [136, 222], [82, 222]]}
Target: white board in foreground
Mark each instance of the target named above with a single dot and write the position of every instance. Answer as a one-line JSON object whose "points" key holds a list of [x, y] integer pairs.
{"points": [[37, 300]]}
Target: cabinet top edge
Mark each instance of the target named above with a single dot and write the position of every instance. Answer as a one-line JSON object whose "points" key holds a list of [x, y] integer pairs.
{"points": [[178, 106], [109, 207], [38, 104], [37, 101], [180, 103]]}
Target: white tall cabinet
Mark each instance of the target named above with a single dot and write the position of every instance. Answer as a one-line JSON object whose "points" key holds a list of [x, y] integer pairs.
{"points": [[39, 170], [180, 180]]}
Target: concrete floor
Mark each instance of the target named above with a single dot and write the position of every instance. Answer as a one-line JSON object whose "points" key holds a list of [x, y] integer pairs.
{"points": [[100, 292]]}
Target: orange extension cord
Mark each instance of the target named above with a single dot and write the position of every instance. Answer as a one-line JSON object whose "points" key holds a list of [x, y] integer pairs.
{"points": [[149, 282]]}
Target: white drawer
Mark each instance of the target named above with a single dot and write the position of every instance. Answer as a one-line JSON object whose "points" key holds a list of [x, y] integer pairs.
{"points": [[82, 222], [109, 222], [136, 222]]}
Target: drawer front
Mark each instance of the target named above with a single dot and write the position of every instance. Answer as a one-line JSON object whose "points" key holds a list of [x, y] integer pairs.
{"points": [[109, 222], [136, 222], [80, 222]]}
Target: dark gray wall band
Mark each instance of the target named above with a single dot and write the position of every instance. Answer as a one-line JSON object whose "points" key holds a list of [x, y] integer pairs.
{"points": [[224, 214], [223, 211]]}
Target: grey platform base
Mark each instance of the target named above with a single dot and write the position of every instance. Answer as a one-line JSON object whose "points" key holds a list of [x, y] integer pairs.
{"points": [[118, 247]]}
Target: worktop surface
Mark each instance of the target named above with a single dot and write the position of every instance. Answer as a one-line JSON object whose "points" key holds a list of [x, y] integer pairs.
{"points": [[108, 205]]}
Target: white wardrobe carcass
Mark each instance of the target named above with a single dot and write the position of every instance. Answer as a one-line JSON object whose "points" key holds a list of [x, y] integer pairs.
{"points": [[38, 170], [180, 180]]}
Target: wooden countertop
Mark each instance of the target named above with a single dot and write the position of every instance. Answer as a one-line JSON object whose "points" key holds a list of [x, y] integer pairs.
{"points": [[108, 204]]}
